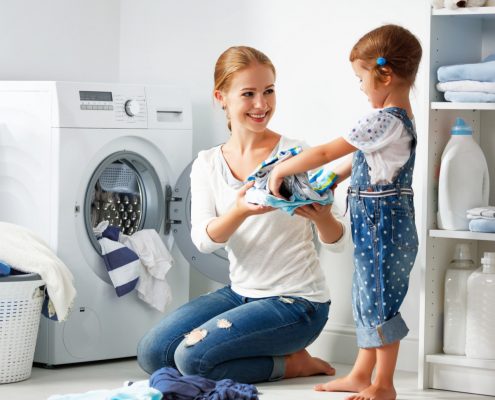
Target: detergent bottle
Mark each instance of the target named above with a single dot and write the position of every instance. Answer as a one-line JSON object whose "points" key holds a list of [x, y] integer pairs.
{"points": [[464, 181], [480, 319], [455, 302]]}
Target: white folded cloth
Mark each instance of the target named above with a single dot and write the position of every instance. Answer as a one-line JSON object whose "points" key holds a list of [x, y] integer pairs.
{"points": [[487, 212], [26, 252], [466, 86]]}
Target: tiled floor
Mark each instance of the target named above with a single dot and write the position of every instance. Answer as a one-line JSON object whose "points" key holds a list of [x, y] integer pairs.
{"points": [[112, 374]]}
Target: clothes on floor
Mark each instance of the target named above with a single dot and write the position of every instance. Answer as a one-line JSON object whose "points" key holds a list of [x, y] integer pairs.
{"points": [[26, 252], [226, 335], [137, 391], [257, 269], [385, 245], [156, 261], [301, 189], [173, 385]]}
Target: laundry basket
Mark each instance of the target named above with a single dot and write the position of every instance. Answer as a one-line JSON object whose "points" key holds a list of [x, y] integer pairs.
{"points": [[21, 298]]}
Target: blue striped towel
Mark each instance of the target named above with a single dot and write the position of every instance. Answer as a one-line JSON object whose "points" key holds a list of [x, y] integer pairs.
{"points": [[122, 265]]}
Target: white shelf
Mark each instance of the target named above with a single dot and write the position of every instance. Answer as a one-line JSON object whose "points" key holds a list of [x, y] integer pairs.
{"points": [[460, 361], [486, 12], [467, 235], [446, 105]]}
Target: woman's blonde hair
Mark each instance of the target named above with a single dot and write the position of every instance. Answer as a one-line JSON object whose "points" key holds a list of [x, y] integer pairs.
{"points": [[389, 48], [235, 59]]}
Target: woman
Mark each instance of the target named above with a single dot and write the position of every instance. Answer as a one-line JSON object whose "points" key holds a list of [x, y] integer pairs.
{"points": [[257, 328]]}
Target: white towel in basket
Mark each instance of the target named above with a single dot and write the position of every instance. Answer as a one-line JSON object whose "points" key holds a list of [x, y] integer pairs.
{"points": [[26, 252]]}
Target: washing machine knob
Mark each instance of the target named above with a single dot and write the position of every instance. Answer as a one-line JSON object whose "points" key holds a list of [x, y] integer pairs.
{"points": [[132, 108]]}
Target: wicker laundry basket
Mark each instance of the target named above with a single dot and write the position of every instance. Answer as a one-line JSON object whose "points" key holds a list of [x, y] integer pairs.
{"points": [[21, 298]]}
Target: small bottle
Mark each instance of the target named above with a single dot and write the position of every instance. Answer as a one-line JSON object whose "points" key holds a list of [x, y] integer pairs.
{"points": [[455, 301], [480, 321]]}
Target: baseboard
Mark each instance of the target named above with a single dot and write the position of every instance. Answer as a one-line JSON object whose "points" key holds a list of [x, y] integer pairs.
{"points": [[339, 345]]}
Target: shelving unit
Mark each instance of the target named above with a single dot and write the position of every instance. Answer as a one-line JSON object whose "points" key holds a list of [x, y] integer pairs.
{"points": [[456, 37]]}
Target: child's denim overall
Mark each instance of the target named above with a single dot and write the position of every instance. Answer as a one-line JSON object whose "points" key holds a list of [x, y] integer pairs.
{"points": [[385, 247]]}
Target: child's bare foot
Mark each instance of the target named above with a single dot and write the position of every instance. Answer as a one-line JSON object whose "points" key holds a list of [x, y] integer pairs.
{"points": [[302, 364], [349, 383], [375, 392]]}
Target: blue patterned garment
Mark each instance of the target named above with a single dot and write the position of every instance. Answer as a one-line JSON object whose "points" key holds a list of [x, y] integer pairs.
{"points": [[299, 189]]}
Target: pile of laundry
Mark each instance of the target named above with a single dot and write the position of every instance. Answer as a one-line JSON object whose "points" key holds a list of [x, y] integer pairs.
{"points": [[168, 383], [482, 219], [23, 252], [140, 262], [299, 190], [468, 83]]}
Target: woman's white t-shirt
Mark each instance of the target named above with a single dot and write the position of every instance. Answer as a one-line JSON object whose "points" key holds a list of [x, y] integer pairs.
{"points": [[271, 254]]}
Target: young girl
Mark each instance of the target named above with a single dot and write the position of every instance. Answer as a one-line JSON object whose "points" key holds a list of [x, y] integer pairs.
{"points": [[380, 202]]}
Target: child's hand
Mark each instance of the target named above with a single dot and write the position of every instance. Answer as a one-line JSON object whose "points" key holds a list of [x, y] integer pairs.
{"points": [[274, 183], [314, 212], [248, 208]]}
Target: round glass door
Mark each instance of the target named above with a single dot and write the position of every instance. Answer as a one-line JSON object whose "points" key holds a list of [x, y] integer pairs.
{"points": [[126, 192]]}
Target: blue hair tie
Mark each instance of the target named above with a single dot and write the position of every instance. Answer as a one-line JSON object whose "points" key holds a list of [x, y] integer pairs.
{"points": [[381, 61]]}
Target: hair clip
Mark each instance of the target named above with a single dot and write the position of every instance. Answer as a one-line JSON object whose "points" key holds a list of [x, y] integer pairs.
{"points": [[381, 61]]}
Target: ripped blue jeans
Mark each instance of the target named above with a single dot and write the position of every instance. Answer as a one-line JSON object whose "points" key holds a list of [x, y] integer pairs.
{"points": [[224, 335]]}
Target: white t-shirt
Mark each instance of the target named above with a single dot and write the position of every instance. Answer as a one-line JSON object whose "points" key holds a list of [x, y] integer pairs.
{"points": [[385, 142], [271, 254]]}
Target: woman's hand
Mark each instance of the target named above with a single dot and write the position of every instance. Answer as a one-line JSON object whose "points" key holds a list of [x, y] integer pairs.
{"points": [[275, 182], [248, 208], [315, 212]]}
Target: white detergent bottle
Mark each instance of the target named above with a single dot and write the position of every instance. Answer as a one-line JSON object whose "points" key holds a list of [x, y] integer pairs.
{"points": [[480, 320], [464, 181], [455, 302]]}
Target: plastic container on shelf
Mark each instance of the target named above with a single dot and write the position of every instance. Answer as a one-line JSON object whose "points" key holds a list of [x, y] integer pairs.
{"points": [[455, 301], [21, 298], [464, 182], [480, 320]]}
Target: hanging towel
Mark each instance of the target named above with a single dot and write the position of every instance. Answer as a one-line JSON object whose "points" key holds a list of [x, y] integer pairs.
{"points": [[483, 71], [122, 264], [487, 212], [466, 86], [173, 385], [300, 189], [137, 391], [470, 97], [26, 252], [156, 261]]}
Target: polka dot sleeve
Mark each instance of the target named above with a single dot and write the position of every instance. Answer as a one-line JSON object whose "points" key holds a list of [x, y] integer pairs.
{"points": [[375, 131]]}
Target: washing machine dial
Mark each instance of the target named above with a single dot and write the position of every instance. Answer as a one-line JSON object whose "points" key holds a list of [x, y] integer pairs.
{"points": [[132, 108]]}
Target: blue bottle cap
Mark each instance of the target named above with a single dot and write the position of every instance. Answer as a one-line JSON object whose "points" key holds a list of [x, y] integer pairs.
{"points": [[461, 128]]}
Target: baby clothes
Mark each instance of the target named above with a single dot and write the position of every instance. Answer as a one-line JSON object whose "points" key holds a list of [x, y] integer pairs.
{"points": [[385, 143], [301, 189]]}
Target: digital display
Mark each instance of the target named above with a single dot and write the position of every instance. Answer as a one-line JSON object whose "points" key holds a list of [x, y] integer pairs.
{"points": [[95, 96]]}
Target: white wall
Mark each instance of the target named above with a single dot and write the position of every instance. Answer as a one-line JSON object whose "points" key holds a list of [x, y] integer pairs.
{"points": [[74, 40], [318, 95]]}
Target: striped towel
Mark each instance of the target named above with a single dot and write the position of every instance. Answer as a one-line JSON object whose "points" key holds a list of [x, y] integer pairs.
{"points": [[122, 265]]}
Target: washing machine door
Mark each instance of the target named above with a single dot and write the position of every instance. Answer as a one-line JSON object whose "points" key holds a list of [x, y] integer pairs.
{"points": [[215, 265], [125, 191]]}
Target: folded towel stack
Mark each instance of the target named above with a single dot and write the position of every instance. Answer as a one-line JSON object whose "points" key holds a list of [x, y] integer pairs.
{"points": [[482, 219], [466, 83]]}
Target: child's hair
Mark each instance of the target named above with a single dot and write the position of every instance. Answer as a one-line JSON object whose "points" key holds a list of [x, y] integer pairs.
{"points": [[389, 46], [235, 59]]}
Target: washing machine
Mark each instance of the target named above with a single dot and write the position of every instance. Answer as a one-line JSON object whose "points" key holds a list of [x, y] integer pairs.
{"points": [[74, 154]]}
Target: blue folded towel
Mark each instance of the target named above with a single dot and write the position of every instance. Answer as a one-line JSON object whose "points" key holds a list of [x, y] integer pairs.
{"points": [[482, 225], [173, 385], [469, 97], [483, 71]]}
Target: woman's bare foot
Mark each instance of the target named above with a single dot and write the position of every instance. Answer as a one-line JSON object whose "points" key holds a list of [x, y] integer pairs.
{"points": [[302, 364], [349, 383], [375, 392]]}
